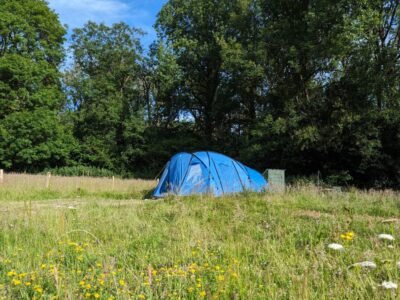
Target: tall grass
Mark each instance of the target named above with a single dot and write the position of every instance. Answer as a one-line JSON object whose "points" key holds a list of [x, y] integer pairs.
{"points": [[33, 187], [250, 246]]}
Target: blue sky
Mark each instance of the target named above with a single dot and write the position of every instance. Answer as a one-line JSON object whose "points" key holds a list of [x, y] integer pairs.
{"points": [[138, 13]]}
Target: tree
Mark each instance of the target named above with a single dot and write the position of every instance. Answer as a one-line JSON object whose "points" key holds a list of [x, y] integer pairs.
{"points": [[105, 95], [31, 50], [210, 42]]}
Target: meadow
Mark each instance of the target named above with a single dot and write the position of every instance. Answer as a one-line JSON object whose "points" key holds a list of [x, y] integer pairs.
{"points": [[91, 238]]}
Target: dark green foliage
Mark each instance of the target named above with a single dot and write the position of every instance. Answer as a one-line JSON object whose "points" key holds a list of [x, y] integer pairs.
{"points": [[31, 50], [80, 171], [105, 94], [307, 86]]}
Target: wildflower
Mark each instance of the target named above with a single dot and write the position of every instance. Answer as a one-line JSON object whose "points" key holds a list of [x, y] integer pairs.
{"points": [[202, 294], [87, 295], [141, 296], [348, 236], [82, 282], [365, 264], [388, 285], [336, 247], [121, 282], [28, 283], [96, 295], [234, 275], [88, 286], [11, 273], [198, 285], [22, 275], [101, 281], [220, 278], [190, 290], [384, 236], [16, 282], [38, 289]]}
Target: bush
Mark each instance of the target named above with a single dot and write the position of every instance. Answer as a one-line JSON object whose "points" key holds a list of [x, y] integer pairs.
{"points": [[81, 171]]}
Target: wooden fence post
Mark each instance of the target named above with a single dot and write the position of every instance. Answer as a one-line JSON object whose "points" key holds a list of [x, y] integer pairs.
{"points": [[1, 176], [48, 180], [113, 183]]}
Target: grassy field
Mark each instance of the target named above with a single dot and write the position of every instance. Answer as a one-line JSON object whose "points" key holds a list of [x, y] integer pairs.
{"points": [[87, 238]]}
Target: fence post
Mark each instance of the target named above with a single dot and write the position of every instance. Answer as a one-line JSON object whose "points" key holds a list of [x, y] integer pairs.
{"points": [[1, 176], [113, 182], [48, 180]]}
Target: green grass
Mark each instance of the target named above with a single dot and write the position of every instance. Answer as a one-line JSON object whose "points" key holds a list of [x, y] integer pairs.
{"points": [[240, 247]]}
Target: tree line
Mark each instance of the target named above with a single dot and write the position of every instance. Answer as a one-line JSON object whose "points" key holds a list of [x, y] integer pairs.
{"points": [[303, 85]]}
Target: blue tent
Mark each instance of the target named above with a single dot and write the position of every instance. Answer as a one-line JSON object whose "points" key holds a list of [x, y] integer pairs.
{"points": [[207, 173]]}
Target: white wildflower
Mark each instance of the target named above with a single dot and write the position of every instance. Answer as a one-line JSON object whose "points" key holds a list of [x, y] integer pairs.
{"points": [[384, 236], [390, 246], [389, 285], [337, 247], [365, 264]]}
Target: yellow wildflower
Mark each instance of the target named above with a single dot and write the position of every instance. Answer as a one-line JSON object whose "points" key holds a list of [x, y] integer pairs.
{"points": [[202, 294], [121, 282], [220, 277], [28, 283], [16, 282], [347, 236], [96, 295], [87, 295], [38, 289], [82, 282], [190, 290], [88, 286], [11, 273], [141, 296]]}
